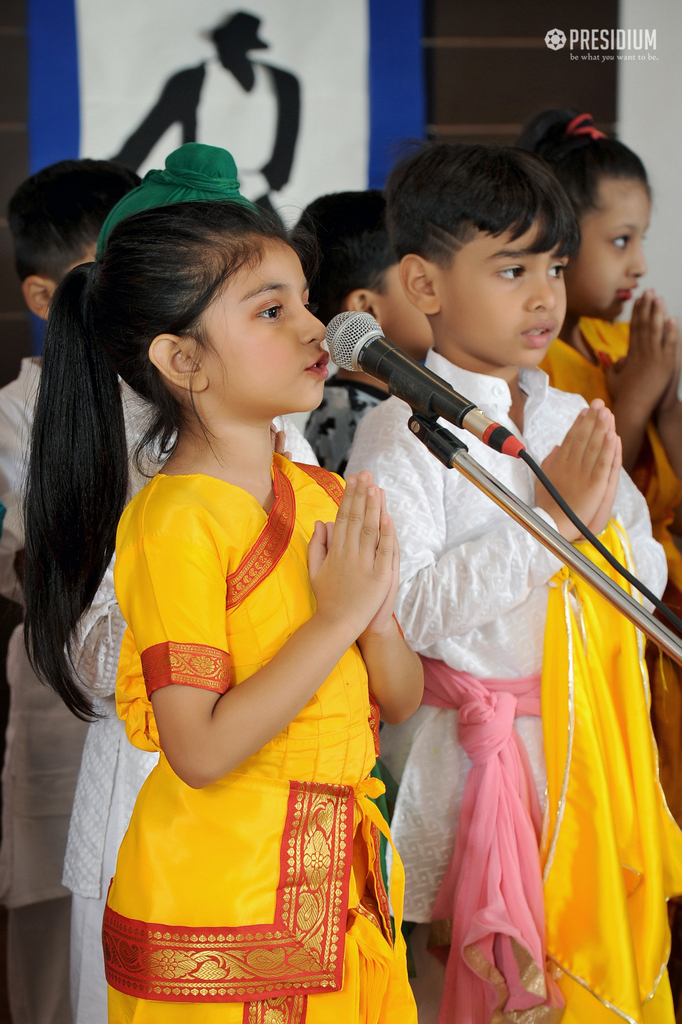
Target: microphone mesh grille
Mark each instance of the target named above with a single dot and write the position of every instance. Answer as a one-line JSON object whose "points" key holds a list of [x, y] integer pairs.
{"points": [[346, 332]]}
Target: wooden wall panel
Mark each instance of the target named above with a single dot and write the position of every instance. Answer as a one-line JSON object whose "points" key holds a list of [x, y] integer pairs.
{"points": [[488, 69], [527, 18]]}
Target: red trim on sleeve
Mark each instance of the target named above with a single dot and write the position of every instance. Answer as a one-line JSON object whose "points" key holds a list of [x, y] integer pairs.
{"points": [[207, 668]]}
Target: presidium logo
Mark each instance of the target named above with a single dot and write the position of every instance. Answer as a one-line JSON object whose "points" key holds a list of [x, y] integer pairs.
{"points": [[592, 40], [555, 39]]}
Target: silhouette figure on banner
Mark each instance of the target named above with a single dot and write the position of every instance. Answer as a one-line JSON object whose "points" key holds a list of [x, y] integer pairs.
{"points": [[248, 106]]}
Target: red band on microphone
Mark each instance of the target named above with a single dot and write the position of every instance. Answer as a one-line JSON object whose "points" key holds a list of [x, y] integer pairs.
{"points": [[502, 440], [488, 431], [512, 446]]}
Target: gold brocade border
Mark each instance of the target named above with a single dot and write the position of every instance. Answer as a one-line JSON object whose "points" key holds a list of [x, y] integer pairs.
{"points": [[273, 541], [367, 908], [284, 1010], [207, 668], [300, 952], [374, 719], [532, 979], [327, 481], [377, 886], [604, 1002]]}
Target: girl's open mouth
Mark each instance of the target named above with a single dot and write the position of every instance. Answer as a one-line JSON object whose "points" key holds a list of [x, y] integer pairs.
{"points": [[319, 368]]}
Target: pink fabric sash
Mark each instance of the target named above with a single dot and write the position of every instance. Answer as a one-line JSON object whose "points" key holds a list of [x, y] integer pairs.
{"points": [[492, 890]]}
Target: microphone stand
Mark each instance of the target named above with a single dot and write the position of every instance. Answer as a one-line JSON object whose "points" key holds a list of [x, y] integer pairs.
{"points": [[454, 454]]}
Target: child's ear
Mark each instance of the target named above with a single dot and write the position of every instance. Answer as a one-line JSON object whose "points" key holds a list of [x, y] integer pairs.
{"points": [[176, 359], [361, 300], [38, 292], [419, 278]]}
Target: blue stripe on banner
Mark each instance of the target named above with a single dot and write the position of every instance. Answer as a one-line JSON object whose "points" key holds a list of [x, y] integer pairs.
{"points": [[396, 82], [53, 99]]}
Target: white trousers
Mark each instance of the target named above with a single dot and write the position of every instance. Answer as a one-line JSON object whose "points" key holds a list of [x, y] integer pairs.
{"points": [[88, 984]]}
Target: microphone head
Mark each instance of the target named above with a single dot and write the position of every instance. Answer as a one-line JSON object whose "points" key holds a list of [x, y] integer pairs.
{"points": [[347, 333]]}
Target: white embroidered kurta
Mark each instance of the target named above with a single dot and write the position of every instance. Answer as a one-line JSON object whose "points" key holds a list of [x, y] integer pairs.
{"points": [[473, 593]]}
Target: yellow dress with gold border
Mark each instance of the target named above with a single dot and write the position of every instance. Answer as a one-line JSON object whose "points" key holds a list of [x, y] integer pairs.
{"points": [[257, 899], [611, 852], [569, 370]]}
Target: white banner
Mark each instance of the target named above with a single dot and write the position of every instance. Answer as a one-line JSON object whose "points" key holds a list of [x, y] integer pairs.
{"points": [[283, 86]]}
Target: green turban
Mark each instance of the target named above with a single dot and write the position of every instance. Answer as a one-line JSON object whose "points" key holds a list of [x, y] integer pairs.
{"points": [[194, 173]]}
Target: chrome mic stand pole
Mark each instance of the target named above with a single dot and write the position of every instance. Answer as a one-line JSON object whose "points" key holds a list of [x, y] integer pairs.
{"points": [[454, 454]]}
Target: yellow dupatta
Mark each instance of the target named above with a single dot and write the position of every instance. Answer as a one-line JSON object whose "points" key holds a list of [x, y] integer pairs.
{"points": [[611, 851], [569, 370]]}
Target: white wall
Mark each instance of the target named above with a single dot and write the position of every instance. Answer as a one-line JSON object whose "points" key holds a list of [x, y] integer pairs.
{"points": [[650, 122]]}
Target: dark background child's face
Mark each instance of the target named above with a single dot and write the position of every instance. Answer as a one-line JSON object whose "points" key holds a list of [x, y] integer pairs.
{"points": [[401, 321], [38, 289], [602, 277]]}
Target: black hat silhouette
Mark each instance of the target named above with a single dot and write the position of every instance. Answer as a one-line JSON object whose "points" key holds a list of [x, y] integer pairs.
{"points": [[239, 33]]}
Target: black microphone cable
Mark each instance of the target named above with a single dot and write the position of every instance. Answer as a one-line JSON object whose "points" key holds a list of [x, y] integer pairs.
{"points": [[597, 544], [356, 341]]}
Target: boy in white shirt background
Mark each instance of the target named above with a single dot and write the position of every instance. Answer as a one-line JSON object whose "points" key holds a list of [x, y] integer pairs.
{"points": [[483, 235], [55, 217]]}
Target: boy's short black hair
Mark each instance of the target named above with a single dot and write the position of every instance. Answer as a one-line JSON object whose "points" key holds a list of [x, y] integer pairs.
{"points": [[353, 247], [441, 194], [58, 212]]}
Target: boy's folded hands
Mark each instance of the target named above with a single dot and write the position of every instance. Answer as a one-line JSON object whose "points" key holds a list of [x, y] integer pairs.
{"points": [[585, 470]]}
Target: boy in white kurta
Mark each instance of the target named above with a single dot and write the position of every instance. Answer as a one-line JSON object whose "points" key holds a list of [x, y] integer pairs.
{"points": [[54, 217], [483, 235]]}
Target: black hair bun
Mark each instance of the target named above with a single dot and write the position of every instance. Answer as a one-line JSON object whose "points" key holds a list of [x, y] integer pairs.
{"points": [[580, 155], [545, 134]]}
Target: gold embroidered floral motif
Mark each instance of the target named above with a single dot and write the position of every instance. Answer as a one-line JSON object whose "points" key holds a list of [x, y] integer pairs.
{"points": [[301, 951], [316, 859], [207, 668], [285, 1010]]}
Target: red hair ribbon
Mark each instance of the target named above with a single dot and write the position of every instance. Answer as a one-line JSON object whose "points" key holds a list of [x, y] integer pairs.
{"points": [[583, 125]]}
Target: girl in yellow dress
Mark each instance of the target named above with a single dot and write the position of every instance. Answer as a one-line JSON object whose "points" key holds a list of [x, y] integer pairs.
{"points": [[633, 367], [261, 646]]}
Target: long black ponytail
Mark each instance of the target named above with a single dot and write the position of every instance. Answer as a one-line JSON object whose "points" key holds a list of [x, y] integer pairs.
{"points": [[160, 271]]}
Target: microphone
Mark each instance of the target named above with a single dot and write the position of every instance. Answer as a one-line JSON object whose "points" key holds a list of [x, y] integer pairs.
{"points": [[356, 342]]}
